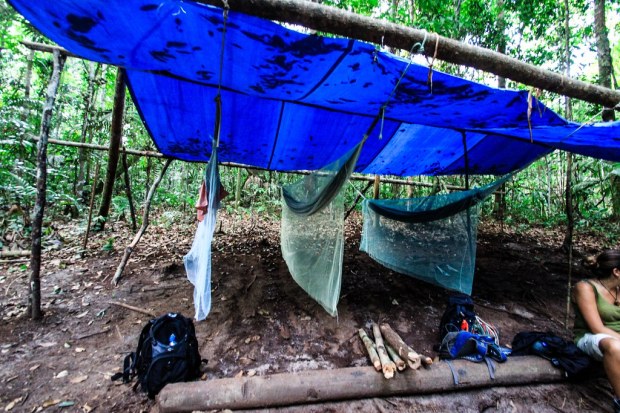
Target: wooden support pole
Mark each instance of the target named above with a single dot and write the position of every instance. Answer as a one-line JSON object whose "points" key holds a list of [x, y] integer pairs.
{"points": [[344, 23], [377, 187], [318, 386], [145, 224], [91, 205], [39, 207], [152, 154], [132, 210]]}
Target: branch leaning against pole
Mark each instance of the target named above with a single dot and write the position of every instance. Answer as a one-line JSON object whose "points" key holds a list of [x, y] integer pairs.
{"points": [[145, 224]]}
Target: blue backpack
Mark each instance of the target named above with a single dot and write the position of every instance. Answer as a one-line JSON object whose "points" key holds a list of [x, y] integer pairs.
{"points": [[473, 347]]}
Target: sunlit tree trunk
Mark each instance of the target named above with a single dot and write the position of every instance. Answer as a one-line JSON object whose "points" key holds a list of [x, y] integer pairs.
{"points": [[603, 53], [499, 205], [34, 302], [569, 199]]}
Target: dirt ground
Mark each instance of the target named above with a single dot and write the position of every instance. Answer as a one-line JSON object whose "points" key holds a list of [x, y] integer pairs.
{"points": [[261, 322]]}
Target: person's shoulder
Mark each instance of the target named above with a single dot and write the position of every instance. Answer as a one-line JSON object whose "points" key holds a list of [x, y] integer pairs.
{"points": [[584, 286]]}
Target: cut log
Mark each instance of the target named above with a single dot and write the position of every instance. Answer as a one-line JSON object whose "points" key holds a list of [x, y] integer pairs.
{"points": [[387, 366], [400, 363], [370, 348], [403, 350], [319, 386]]}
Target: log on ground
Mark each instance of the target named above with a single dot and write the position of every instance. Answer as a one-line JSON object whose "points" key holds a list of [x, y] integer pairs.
{"points": [[319, 386]]}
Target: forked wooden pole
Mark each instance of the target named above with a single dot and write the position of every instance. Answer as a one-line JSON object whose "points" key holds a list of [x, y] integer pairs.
{"points": [[145, 224]]}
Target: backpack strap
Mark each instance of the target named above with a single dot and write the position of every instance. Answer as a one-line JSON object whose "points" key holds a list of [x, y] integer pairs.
{"points": [[491, 367], [129, 364], [128, 369], [455, 374]]}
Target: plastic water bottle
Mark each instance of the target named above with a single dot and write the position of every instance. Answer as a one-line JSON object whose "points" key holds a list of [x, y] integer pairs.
{"points": [[173, 340]]}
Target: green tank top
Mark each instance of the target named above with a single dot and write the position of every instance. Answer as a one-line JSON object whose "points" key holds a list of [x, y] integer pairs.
{"points": [[610, 315]]}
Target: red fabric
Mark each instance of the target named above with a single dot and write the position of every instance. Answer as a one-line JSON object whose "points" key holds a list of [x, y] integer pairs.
{"points": [[202, 205]]}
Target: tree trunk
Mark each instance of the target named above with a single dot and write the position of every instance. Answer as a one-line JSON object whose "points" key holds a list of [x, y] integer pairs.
{"points": [[499, 197], [115, 144], [603, 53], [39, 208], [93, 69]]}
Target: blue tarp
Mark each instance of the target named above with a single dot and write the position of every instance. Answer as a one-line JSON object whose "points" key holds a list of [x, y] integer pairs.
{"points": [[293, 101]]}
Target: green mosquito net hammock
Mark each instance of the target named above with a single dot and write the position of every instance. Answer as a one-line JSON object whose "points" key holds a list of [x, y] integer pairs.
{"points": [[312, 230], [430, 238]]}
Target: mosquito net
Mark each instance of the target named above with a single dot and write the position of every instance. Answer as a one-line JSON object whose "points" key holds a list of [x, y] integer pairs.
{"points": [[198, 259], [431, 238], [312, 230]]}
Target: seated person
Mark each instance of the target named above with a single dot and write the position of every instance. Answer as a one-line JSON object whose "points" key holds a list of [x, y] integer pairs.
{"points": [[597, 316]]}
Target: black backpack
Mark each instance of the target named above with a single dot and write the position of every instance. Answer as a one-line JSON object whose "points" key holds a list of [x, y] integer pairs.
{"points": [[460, 307], [562, 353], [167, 353]]}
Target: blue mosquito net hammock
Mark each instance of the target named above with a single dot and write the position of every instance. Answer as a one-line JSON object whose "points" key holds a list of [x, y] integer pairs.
{"points": [[430, 238], [312, 230]]}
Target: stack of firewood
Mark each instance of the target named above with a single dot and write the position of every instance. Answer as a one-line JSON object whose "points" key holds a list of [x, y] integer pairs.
{"points": [[388, 352]]}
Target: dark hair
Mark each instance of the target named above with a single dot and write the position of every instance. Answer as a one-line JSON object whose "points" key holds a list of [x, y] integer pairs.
{"points": [[603, 264]]}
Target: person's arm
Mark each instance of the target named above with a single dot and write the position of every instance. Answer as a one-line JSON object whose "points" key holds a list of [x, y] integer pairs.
{"points": [[585, 299]]}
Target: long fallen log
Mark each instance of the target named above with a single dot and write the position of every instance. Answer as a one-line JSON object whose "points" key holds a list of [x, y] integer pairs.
{"points": [[319, 386]]}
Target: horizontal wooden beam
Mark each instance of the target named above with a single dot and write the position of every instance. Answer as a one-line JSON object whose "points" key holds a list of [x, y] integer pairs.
{"points": [[354, 177], [42, 47], [341, 22], [318, 386]]}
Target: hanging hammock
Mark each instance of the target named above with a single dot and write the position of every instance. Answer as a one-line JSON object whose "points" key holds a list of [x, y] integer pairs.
{"points": [[312, 230], [430, 238]]}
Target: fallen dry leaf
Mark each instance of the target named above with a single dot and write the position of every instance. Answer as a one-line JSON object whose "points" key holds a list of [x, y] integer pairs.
{"points": [[49, 403], [12, 404], [79, 379], [62, 374]]}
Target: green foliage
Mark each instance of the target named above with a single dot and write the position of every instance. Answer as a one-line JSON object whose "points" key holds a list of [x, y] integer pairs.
{"points": [[109, 245]]}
